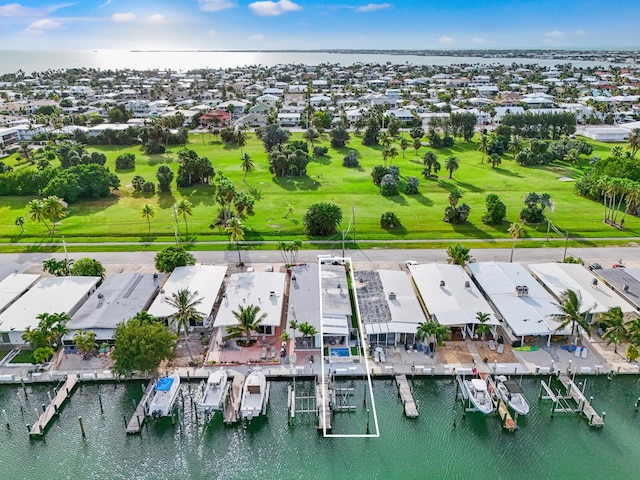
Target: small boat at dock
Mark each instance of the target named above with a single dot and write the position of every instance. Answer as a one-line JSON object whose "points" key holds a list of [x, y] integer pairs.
{"points": [[254, 392], [478, 394], [165, 394], [511, 394], [215, 392]]}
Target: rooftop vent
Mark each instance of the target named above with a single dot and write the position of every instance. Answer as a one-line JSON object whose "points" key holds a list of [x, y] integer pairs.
{"points": [[293, 278], [442, 284], [625, 287], [594, 282], [467, 284]]}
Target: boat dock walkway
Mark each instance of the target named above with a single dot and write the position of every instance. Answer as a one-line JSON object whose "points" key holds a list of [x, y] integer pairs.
{"points": [[584, 406], [323, 401], [134, 426], [232, 406], [502, 410], [52, 409], [410, 407]]}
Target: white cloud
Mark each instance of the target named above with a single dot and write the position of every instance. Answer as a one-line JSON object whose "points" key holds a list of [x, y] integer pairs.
{"points": [[39, 26], [446, 40], [216, 5], [268, 8], [213, 33], [123, 17], [554, 34], [580, 33], [156, 18], [257, 36], [478, 40], [16, 10], [107, 2], [372, 7]]}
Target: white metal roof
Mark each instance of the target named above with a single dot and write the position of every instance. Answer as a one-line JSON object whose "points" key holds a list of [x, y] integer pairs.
{"points": [[264, 289], [304, 296], [204, 279], [453, 304], [559, 277], [527, 314], [13, 286], [49, 295]]}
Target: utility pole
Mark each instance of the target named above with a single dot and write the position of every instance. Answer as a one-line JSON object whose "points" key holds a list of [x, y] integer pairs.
{"points": [[353, 221]]}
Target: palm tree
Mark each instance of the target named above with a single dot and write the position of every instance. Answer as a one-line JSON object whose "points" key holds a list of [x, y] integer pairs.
{"points": [[385, 139], [247, 166], [570, 307], [515, 232], [404, 144], [458, 254], [616, 331], [293, 325], [451, 165], [147, 212], [392, 152], [289, 210], [184, 207], [515, 145], [417, 143], [19, 222], [37, 214], [454, 196], [434, 330], [310, 135], [634, 141], [483, 327], [616, 152], [53, 208], [484, 146], [429, 159], [185, 303], [248, 321], [235, 230], [307, 331], [572, 156], [241, 139]]}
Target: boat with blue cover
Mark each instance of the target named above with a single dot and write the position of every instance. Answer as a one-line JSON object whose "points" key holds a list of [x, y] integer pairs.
{"points": [[164, 396]]}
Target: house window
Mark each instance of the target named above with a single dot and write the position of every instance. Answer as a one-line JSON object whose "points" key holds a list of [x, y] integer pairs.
{"points": [[265, 330], [5, 338]]}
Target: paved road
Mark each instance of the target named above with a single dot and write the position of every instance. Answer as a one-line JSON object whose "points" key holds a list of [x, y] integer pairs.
{"points": [[372, 258]]}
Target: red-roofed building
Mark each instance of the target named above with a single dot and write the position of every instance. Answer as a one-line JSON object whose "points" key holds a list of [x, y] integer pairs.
{"points": [[217, 118]]}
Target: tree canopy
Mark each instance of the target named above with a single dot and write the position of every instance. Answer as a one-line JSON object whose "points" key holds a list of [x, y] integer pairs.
{"points": [[167, 259], [141, 344], [322, 219]]}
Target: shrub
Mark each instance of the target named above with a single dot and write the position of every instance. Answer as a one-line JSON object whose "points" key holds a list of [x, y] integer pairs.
{"points": [[320, 151], [389, 185], [351, 159], [389, 220], [411, 187], [149, 187], [126, 161]]}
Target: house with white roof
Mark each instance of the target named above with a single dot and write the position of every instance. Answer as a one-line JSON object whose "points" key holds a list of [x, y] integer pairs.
{"points": [[596, 297], [49, 295], [450, 297], [520, 300], [206, 280], [261, 289]]}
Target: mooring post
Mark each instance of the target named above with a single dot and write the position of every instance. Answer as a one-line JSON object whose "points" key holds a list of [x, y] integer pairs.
{"points": [[82, 427], [100, 402], [124, 417]]}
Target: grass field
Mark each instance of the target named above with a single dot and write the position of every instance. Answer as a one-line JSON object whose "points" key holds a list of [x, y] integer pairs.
{"points": [[118, 217]]}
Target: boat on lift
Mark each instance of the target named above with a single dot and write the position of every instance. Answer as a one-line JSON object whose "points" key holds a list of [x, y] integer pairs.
{"points": [[479, 396], [254, 393], [215, 391], [164, 396], [511, 394]]}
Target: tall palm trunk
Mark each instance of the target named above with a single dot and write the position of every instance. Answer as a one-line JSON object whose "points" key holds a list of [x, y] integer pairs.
{"points": [[186, 343]]}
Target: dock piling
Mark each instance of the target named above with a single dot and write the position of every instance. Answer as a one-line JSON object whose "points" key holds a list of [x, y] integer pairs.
{"points": [[100, 402], [82, 427]]}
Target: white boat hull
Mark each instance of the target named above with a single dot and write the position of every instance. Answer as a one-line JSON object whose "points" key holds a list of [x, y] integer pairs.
{"points": [[213, 398], [163, 402], [253, 395], [480, 399], [516, 401]]}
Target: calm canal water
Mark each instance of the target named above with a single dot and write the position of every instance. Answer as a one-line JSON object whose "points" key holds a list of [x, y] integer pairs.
{"points": [[427, 447]]}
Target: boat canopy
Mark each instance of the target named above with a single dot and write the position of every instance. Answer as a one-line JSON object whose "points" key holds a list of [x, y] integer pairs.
{"points": [[479, 385], [512, 386], [164, 384]]}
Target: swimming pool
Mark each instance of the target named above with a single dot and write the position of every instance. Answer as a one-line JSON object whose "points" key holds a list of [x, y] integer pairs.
{"points": [[339, 352]]}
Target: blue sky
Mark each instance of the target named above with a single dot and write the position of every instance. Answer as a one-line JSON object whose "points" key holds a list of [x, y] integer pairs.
{"points": [[316, 24]]}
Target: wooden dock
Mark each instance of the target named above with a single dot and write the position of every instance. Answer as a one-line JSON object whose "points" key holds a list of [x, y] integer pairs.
{"points": [[137, 419], [410, 408], [232, 406], [584, 406], [323, 402], [501, 408], [53, 408]]}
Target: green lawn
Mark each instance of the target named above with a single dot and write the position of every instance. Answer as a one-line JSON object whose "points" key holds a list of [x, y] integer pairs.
{"points": [[25, 356], [118, 217]]}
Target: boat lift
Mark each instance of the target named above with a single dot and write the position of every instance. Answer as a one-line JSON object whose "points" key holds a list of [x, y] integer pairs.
{"points": [[572, 400]]}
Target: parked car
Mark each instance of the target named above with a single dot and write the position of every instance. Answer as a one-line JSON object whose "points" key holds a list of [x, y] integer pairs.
{"points": [[619, 265], [595, 266]]}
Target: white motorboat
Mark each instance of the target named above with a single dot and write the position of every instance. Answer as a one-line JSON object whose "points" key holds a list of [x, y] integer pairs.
{"points": [[479, 395], [511, 394], [164, 396], [253, 394], [214, 394]]}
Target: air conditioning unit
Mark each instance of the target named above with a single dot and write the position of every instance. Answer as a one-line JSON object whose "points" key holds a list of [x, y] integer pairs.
{"points": [[293, 278], [442, 284], [625, 287], [392, 295], [525, 291], [467, 284], [272, 294], [594, 282]]}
